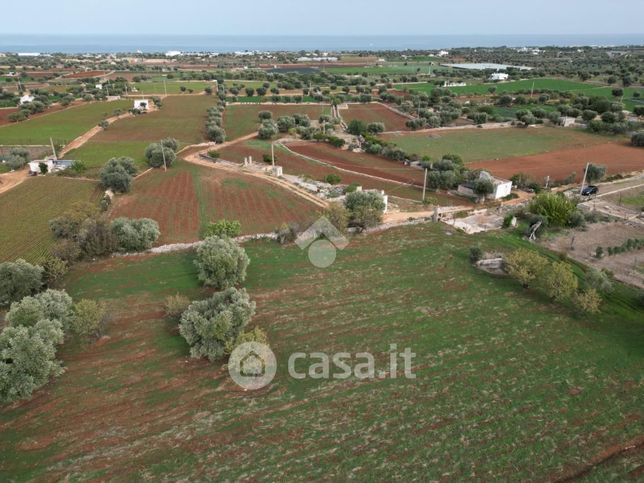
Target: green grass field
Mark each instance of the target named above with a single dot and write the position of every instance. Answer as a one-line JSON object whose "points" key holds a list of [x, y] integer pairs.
{"points": [[62, 126], [26, 210], [171, 86], [527, 85], [181, 117], [508, 385], [485, 144]]}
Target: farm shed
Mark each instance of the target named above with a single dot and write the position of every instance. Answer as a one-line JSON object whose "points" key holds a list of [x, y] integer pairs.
{"points": [[499, 76], [141, 104], [53, 165], [502, 187], [26, 98]]}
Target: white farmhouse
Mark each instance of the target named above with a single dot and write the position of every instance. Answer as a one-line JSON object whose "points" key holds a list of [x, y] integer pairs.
{"points": [[26, 98], [442, 53], [502, 187], [499, 76], [141, 104]]}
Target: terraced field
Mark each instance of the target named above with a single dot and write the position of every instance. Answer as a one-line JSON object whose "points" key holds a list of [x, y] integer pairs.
{"points": [[26, 210], [374, 112], [508, 386], [187, 197]]}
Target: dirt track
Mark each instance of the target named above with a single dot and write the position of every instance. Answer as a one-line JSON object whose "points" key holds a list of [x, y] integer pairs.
{"points": [[13, 179]]}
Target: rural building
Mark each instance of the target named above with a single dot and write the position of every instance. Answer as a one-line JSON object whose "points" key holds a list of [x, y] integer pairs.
{"points": [[454, 84], [141, 104], [53, 165], [442, 53], [502, 187], [499, 76], [173, 53], [26, 98]]}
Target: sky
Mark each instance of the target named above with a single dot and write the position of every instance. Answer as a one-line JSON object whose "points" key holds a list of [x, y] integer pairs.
{"points": [[326, 17]]}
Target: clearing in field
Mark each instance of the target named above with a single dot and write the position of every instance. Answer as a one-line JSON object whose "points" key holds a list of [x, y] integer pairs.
{"points": [[241, 119], [62, 126], [186, 198], [617, 157], [26, 210], [484, 144], [172, 87], [300, 166], [499, 370], [374, 112], [181, 117]]}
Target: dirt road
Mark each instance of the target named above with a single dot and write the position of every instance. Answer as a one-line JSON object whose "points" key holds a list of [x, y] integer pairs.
{"points": [[13, 179]]}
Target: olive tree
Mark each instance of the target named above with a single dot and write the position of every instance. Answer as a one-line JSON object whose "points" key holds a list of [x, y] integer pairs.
{"points": [[134, 235], [221, 262], [117, 174], [87, 318], [159, 155], [559, 281], [19, 279], [28, 358], [209, 326], [526, 266], [365, 208], [267, 130], [50, 304]]}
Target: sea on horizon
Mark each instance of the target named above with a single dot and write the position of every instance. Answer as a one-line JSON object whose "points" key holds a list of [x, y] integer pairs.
{"points": [[73, 44]]}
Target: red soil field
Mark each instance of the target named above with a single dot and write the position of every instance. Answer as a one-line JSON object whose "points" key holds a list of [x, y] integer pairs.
{"points": [[360, 162], [187, 197], [5, 112], [617, 157], [85, 75], [296, 165], [375, 112]]}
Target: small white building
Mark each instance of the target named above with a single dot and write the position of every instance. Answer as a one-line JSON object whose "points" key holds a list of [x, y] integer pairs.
{"points": [[442, 53], [141, 104], [53, 165], [26, 98], [173, 53], [499, 76], [502, 187], [99, 86]]}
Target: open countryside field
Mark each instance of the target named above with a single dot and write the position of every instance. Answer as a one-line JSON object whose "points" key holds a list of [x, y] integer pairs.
{"points": [[241, 119], [62, 126], [171, 87], [187, 197], [484, 144], [181, 117], [508, 386], [26, 210], [374, 112], [300, 166], [618, 157]]}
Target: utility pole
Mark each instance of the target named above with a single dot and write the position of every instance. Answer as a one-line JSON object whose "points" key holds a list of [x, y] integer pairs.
{"points": [[583, 181], [273, 155], [51, 141], [165, 166], [424, 184], [165, 89]]}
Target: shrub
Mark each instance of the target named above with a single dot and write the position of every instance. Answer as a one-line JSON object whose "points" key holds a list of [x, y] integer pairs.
{"points": [[475, 254], [134, 235], [588, 301], [365, 208], [525, 266], [214, 154], [68, 224], [55, 269], [88, 318], [170, 143], [221, 263], [265, 115], [67, 250], [284, 123], [28, 358], [338, 216], [599, 252], [599, 280], [215, 133], [175, 305], [256, 335], [332, 178], [375, 127], [559, 282], [267, 130], [556, 208], [287, 233], [117, 174], [637, 139], [211, 326], [223, 228], [356, 127], [95, 238], [19, 279], [155, 154]]}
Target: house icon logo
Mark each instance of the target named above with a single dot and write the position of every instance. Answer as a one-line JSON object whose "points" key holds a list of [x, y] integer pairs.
{"points": [[252, 365], [322, 239]]}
